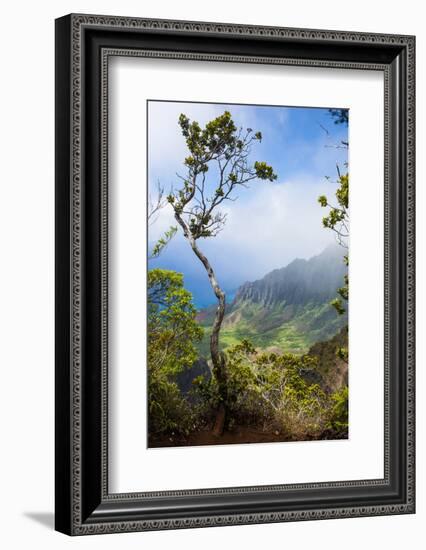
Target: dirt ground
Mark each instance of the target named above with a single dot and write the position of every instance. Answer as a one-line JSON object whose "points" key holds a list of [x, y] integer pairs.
{"points": [[239, 435]]}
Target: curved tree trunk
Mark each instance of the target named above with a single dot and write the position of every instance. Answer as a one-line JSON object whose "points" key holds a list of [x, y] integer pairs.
{"points": [[219, 366], [218, 358]]}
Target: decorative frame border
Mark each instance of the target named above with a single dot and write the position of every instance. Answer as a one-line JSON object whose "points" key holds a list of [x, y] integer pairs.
{"points": [[71, 517], [106, 54]]}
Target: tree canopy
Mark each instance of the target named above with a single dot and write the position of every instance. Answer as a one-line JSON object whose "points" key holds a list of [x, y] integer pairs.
{"points": [[224, 150]]}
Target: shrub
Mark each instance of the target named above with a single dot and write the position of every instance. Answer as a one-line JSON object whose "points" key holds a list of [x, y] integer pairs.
{"points": [[172, 333], [339, 415], [270, 390]]}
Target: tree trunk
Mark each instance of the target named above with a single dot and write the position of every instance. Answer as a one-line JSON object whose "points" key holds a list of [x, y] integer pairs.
{"points": [[218, 358]]}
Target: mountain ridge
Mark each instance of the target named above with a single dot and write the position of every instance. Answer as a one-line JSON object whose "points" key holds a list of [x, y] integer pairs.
{"points": [[288, 309], [295, 283]]}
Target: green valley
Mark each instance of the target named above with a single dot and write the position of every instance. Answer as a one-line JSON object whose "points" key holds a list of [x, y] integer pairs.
{"points": [[287, 311]]}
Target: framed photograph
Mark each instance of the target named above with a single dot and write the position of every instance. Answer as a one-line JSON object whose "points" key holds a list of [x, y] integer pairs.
{"points": [[234, 274]]}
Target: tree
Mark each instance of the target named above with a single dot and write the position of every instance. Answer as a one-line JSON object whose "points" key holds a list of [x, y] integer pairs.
{"points": [[341, 116], [155, 204], [338, 216], [270, 390], [338, 221], [222, 150], [172, 334], [276, 393]]}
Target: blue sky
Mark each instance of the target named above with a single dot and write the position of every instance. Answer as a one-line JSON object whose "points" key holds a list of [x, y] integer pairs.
{"points": [[270, 224]]}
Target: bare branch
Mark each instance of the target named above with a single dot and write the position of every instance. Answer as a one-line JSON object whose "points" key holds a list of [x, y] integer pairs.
{"points": [[156, 203]]}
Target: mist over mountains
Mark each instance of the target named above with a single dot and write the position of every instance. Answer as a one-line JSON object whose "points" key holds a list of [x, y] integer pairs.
{"points": [[300, 282], [287, 310]]}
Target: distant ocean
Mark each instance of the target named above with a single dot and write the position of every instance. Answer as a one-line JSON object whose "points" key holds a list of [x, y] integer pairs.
{"points": [[196, 282], [203, 301]]}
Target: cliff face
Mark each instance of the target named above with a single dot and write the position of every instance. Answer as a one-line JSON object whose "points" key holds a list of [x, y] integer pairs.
{"points": [[301, 282], [287, 310]]}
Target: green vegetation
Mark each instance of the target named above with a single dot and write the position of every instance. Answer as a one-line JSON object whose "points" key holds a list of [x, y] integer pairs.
{"points": [[270, 327], [332, 365], [338, 221], [223, 151], [280, 364], [271, 391], [337, 218], [294, 396], [172, 334]]}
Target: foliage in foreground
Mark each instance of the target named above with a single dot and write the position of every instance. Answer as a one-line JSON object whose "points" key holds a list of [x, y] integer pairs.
{"points": [[272, 392], [338, 220], [172, 334], [267, 391], [222, 148]]}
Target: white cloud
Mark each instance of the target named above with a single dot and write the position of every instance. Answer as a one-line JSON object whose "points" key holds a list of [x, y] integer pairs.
{"points": [[276, 224], [167, 147], [267, 226]]}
